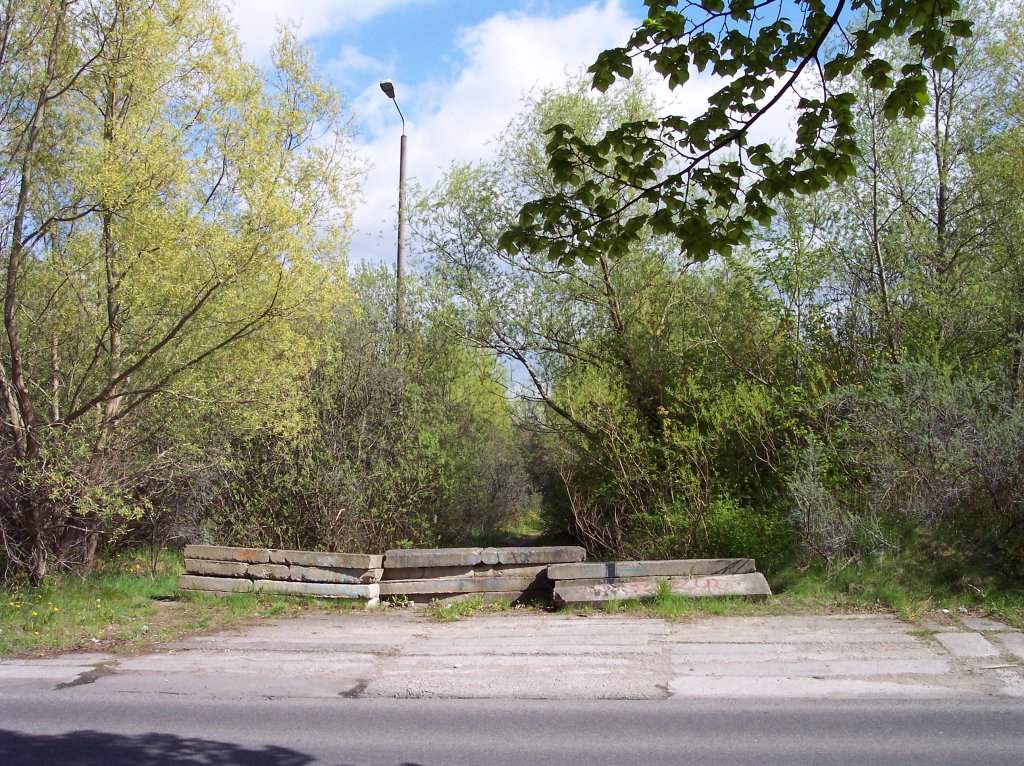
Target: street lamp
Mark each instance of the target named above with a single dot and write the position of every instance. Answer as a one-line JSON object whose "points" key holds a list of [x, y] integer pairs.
{"points": [[389, 90]]}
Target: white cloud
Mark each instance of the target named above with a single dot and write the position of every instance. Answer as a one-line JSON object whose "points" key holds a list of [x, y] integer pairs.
{"points": [[453, 120], [257, 20]]}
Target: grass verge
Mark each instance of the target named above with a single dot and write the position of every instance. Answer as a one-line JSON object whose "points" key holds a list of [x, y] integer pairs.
{"points": [[125, 605]]}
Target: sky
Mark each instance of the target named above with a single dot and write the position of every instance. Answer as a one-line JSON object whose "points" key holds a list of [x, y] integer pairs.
{"points": [[460, 69]]}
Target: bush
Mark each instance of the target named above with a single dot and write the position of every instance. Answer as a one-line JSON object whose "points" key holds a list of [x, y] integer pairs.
{"points": [[916, 444]]}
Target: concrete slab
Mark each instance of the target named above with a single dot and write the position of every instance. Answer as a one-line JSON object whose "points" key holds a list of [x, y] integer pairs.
{"points": [[227, 553], [370, 592], [546, 554], [671, 568], [457, 557], [816, 668], [329, 560], [331, 575], [966, 645], [480, 570], [216, 568], [1012, 643], [433, 557], [215, 584], [985, 624], [452, 585], [528, 654], [487, 597], [268, 571], [805, 688], [597, 591], [1013, 682]]}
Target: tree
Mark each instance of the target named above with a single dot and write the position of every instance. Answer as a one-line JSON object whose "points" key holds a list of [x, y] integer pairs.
{"points": [[653, 382], [172, 230], [699, 180]]}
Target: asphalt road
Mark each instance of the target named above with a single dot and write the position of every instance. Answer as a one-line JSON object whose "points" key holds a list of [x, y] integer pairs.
{"points": [[89, 729]]}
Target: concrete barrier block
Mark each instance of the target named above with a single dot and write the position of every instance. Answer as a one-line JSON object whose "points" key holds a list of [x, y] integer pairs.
{"points": [[672, 568], [372, 575], [227, 553], [480, 570], [215, 568], [467, 557], [321, 590], [541, 554], [327, 560], [451, 585], [323, 574], [216, 584], [433, 557], [269, 571], [575, 592]]}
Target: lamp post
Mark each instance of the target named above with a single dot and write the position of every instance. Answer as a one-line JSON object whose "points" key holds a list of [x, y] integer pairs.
{"points": [[389, 90]]}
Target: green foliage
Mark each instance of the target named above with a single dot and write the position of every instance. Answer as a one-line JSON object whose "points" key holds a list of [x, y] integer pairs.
{"points": [[164, 263], [699, 179], [658, 386], [410, 443], [916, 443]]}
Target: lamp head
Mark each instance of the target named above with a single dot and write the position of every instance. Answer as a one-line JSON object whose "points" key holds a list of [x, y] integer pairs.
{"points": [[388, 87]]}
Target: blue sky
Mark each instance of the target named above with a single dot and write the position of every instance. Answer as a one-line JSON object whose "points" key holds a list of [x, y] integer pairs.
{"points": [[460, 69]]}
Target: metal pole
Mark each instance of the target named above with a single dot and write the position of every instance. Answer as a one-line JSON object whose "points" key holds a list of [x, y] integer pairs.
{"points": [[401, 232]]}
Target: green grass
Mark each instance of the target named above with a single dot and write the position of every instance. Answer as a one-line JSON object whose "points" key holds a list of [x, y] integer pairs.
{"points": [[123, 606], [456, 610]]}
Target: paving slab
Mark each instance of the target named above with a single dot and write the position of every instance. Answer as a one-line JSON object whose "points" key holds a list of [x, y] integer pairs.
{"points": [[966, 644], [986, 624], [805, 688], [1012, 643]]}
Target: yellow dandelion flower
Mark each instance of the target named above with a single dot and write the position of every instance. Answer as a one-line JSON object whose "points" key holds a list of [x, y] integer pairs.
{"points": [[56, 609], [35, 614]]}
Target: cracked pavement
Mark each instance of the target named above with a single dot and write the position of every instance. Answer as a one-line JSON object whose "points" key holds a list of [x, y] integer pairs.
{"points": [[530, 655]]}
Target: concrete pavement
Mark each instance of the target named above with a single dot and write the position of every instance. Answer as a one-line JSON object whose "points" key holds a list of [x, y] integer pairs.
{"points": [[530, 655]]}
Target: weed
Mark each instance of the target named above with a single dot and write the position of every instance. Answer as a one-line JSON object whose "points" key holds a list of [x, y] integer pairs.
{"points": [[450, 611]]}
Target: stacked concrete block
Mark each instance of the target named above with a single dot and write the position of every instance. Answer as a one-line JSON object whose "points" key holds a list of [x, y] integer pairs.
{"points": [[596, 582], [222, 569], [492, 574]]}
